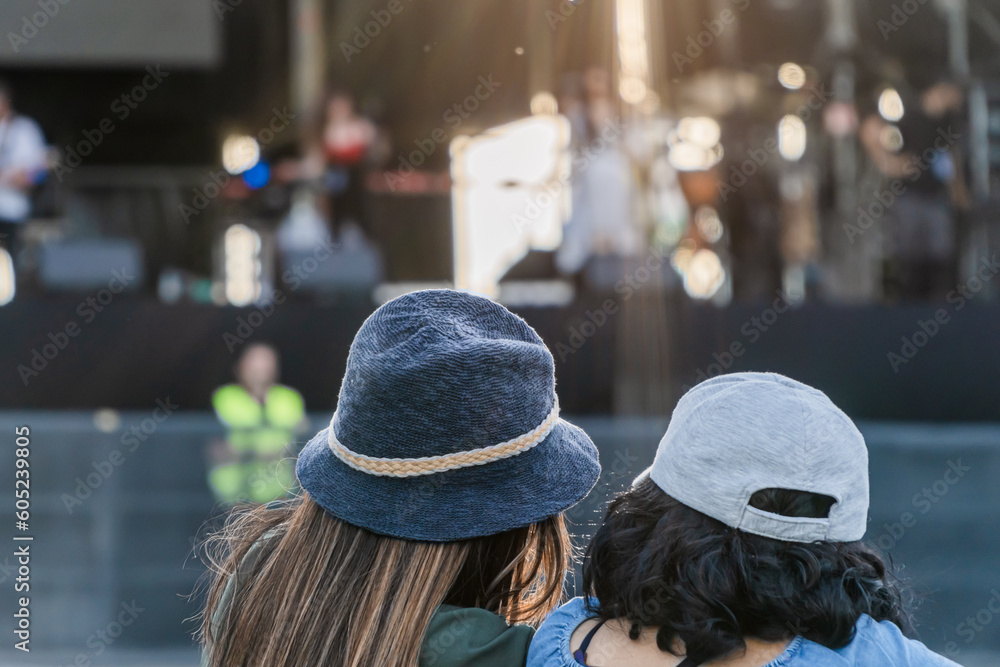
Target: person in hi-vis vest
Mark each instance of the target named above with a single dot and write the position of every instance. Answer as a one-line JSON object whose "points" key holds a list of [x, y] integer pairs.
{"points": [[255, 463]]}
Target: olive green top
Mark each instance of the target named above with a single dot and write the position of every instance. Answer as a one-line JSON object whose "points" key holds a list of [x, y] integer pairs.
{"points": [[470, 637]]}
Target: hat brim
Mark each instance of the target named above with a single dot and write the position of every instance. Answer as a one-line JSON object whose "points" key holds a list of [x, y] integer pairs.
{"points": [[457, 504], [642, 477]]}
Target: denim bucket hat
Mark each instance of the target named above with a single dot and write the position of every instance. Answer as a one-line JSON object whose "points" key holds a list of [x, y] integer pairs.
{"points": [[447, 426]]}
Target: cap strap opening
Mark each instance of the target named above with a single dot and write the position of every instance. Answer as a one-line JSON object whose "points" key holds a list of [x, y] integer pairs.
{"points": [[785, 528], [428, 465]]}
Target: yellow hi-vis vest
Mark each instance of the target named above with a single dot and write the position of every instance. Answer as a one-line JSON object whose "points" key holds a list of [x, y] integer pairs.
{"points": [[258, 435]]}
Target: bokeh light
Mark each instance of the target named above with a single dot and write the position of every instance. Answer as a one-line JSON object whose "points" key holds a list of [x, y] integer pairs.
{"points": [[791, 76], [544, 103], [243, 265], [695, 144], [632, 90], [791, 137], [700, 130], [8, 287], [890, 105], [709, 225], [239, 153], [891, 139], [107, 420], [704, 274], [257, 176]]}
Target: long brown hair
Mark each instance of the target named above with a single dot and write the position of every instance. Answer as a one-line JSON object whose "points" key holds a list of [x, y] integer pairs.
{"points": [[312, 590]]}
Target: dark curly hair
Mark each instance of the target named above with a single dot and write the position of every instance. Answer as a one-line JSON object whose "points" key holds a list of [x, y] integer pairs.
{"points": [[658, 563]]}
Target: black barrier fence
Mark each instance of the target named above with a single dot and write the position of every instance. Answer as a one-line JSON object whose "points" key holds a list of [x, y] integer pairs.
{"points": [[923, 362]]}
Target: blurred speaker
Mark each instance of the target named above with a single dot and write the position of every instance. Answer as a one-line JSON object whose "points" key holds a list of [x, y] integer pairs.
{"points": [[90, 264], [413, 231], [353, 266]]}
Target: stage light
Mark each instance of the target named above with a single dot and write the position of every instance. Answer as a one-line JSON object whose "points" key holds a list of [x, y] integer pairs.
{"points": [[242, 265], [544, 104], [107, 420], [890, 105], [8, 285], [257, 176], [239, 153], [791, 138], [891, 139], [706, 219], [521, 152], [695, 145], [510, 194], [632, 90], [704, 275], [791, 76], [633, 51], [651, 104], [699, 130], [681, 258], [686, 156]]}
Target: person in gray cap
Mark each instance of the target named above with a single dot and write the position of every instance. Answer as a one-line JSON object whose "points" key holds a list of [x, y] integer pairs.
{"points": [[740, 546], [430, 528]]}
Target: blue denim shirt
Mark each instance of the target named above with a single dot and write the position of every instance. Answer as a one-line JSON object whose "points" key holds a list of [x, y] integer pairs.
{"points": [[874, 645]]}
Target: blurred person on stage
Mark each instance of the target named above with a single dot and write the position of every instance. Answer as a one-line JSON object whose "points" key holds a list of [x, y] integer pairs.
{"points": [[347, 139], [22, 165], [345, 145], [262, 416], [603, 228], [919, 160]]}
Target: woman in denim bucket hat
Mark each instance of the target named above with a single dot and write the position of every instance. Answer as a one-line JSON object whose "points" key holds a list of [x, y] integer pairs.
{"points": [[430, 529], [740, 546]]}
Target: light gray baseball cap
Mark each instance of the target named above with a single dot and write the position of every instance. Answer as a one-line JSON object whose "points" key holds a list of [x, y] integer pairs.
{"points": [[736, 434]]}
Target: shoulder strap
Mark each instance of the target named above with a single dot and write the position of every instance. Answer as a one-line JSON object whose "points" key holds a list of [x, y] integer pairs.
{"points": [[580, 655]]}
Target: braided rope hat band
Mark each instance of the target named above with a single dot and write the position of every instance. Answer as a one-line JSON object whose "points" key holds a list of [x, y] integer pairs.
{"points": [[429, 465]]}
